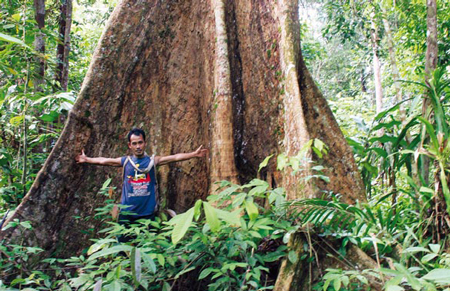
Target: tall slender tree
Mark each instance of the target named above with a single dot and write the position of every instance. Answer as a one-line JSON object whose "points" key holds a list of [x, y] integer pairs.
{"points": [[39, 44], [431, 58], [374, 39], [63, 48]]}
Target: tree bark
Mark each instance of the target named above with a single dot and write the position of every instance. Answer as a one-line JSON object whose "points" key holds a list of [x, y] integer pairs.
{"points": [[63, 48], [376, 67], [176, 69], [222, 148], [393, 60], [431, 56], [39, 44]]}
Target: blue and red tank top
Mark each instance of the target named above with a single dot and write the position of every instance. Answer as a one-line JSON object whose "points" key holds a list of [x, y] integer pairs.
{"points": [[139, 189]]}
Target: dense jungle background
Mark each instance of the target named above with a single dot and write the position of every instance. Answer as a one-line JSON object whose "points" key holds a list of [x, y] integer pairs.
{"points": [[383, 68]]}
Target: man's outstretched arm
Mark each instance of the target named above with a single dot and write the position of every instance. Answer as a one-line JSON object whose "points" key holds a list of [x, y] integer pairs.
{"points": [[115, 162], [199, 153]]}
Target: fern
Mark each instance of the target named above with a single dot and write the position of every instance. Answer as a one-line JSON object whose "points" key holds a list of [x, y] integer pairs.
{"points": [[342, 217]]}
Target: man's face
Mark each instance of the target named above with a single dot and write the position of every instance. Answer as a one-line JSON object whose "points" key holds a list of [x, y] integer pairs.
{"points": [[137, 145]]}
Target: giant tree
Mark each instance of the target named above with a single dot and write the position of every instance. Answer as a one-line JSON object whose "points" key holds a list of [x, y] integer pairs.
{"points": [[225, 74]]}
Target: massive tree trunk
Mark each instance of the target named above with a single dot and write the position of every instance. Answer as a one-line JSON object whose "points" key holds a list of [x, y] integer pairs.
{"points": [[225, 74]]}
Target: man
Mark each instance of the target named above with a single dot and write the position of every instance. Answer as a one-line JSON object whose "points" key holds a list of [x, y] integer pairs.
{"points": [[139, 190]]}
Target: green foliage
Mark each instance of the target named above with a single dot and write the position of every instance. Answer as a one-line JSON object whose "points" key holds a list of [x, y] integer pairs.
{"points": [[340, 218], [227, 248], [337, 279], [32, 117]]}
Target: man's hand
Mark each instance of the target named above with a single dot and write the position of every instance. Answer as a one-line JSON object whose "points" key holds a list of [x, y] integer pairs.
{"points": [[201, 152], [81, 158]]}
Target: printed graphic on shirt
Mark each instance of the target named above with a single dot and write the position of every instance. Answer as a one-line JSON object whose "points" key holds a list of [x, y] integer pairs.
{"points": [[139, 184]]}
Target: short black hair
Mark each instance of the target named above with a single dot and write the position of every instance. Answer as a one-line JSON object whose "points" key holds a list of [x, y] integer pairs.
{"points": [[137, 132]]}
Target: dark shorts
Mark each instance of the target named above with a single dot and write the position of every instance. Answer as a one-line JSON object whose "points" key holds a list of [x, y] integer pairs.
{"points": [[127, 220]]}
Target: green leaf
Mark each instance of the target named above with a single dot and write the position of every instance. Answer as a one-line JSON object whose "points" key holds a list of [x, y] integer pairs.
{"points": [[118, 270], [382, 114], [161, 259], [182, 226], [337, 284], [255, 234], [252, 210], [184, 271], [16, 17], [12, 39], [293, 257], [149, 263], [412, 280], [320, 145], [256, 191], [414, 250], [265, 162], [110, 251], [106, 184], [239, 199], [426, 190], [233, 218], [115, 286], [435, 248], [230, 190], [256, 182], [80, 280], [379, 152], [17, 281], [26, 224], [100, 245], [52, 116], [440, 276], [211, 217], [346, 281], [197, 209], [205, 273], [427, 258], [430, 130], [98, 285], [281, 161], [136, 266], [16, 120], [394, 288]]}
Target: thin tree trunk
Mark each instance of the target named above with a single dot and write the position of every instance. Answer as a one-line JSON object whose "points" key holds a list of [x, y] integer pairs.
{"points": [[363, 82], [431, 57], [376, 67], [393, 60], [63, 48], [39, 44]]}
